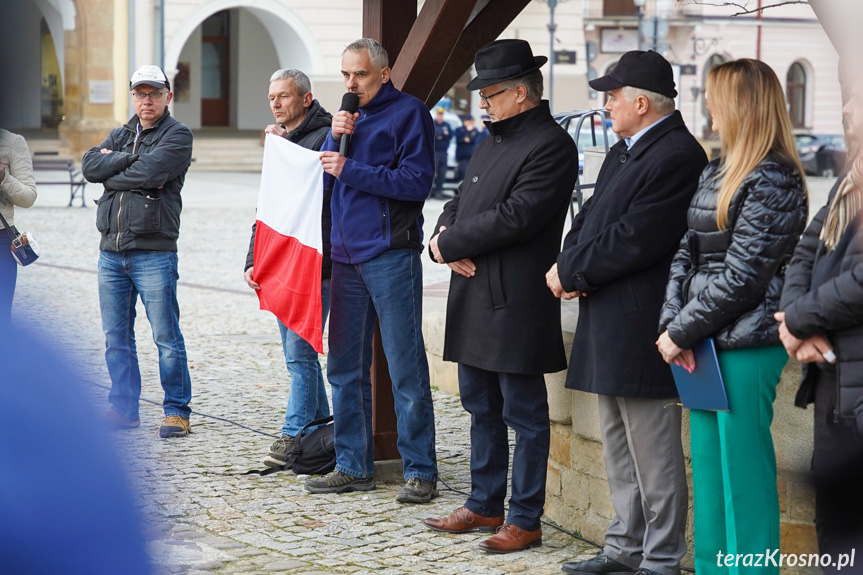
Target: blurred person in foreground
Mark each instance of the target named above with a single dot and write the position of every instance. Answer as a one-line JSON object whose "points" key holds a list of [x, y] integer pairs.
{"points": [[142, 166], [822, 326], [725, 283], [17, 189], [302, 120], [65, 500], [615, 260]]}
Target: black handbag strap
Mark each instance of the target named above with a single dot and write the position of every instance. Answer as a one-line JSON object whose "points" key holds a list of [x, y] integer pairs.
{"points": [[12, 231]]}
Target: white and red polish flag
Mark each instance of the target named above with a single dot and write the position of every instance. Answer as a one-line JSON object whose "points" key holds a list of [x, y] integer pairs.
{"points": [[288, 243]]}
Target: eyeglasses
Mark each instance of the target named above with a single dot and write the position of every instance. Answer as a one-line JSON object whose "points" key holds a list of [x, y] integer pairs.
{"points": [[141, 96], [485, 99]]}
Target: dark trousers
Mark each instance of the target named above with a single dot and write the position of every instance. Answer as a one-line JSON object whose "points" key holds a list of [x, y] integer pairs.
{"points": [[440, 166], [837, 465], [8, 276], [495, 401]]}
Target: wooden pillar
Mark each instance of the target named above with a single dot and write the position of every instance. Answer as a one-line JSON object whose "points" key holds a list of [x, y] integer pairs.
{"points": [[388, 22]]}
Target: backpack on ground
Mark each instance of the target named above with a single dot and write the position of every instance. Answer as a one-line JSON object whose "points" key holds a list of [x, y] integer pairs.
{"points": [[313, 453]]}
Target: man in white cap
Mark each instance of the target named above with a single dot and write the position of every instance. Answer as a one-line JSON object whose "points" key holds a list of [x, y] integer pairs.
{"points": [[142, 166]]}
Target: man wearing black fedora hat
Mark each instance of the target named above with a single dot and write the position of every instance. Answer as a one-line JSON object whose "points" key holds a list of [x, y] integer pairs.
{"points": [[616, 260], [499, 235]]}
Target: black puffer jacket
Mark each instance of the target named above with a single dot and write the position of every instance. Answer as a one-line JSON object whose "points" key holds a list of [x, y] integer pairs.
{"points": [[834, 308], [310, 134], [727, 283]]}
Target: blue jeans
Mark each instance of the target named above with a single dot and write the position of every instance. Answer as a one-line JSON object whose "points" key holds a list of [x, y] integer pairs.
{"points": [[307, 399], [495, 401], [153, 275], [8, 277], [388, 288]]}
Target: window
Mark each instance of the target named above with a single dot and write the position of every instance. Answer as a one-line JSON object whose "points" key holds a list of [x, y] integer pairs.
{"points": [[796, 94], [618, 8]]}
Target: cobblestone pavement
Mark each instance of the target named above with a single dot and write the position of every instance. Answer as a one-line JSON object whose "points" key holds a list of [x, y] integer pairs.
{"points": [[204, 517]]}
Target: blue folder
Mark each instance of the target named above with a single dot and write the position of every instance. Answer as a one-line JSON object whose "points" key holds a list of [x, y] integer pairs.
{"points": [[704, 387]]}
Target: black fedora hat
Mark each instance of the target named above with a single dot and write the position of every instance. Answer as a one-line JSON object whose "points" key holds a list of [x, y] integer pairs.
{"points": [[639, 69], [502, 60]]}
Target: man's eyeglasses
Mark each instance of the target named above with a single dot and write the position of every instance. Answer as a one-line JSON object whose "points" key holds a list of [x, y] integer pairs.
{"points": [[141, 96], [485, 99]]}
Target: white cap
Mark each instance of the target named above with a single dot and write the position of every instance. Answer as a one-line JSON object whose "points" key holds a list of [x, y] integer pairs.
{"points": [[150, 75]]}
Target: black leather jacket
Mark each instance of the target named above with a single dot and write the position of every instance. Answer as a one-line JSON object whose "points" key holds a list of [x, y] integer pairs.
{"points": [[727, 283], [143, 176]]}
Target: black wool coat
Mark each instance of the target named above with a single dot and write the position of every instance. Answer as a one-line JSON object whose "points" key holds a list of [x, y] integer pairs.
{"points": [[508, 218], [619, 252]]}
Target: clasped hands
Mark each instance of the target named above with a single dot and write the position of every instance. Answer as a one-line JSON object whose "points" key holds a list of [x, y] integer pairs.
{"points": [[816, 349], [552, 280], [463, 267]]}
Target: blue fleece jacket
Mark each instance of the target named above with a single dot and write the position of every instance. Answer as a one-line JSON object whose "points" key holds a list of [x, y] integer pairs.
{"points": [[378, 198]]}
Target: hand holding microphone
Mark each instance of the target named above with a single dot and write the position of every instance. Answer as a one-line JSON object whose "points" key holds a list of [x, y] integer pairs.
{"points": [[342, 128]]}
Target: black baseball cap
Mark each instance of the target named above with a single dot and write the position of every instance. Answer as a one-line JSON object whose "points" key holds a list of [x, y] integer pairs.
{"points": [[639, 69]]}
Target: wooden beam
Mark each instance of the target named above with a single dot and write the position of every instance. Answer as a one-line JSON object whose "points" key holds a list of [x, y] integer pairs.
{"points": [[487, 23], [389, 22], [429, 45]]}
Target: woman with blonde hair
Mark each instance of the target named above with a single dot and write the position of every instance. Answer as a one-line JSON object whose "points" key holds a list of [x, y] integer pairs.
{"points": [[725, 282], [822, 326]]}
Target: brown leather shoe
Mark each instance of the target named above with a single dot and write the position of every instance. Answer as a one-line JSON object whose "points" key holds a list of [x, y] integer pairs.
{"points": [[117, 421], [463, 520], [511, 538]]}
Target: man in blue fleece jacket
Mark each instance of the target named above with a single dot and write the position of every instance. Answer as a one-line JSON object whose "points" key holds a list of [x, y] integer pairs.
{"points": [[379, 188]]}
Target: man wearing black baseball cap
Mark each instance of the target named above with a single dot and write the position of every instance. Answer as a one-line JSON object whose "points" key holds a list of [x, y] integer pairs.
{"points": [[499, 234], [616, 261]]}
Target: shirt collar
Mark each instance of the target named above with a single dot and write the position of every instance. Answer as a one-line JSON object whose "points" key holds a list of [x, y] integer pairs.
{"points": [[631, 141]]}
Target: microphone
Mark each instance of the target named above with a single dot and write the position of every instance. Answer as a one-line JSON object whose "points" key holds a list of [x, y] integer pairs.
{"points": [[350, 103]]}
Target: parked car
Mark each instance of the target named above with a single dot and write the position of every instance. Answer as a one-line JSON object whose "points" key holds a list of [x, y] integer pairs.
{"points": [[821, 154], [586, 137]]}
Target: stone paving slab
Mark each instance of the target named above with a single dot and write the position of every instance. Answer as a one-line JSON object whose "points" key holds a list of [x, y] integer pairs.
{"points": [[203, 516]]}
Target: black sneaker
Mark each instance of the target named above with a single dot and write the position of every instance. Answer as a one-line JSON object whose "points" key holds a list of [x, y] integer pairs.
{"points": [[338, 482], [278, 455], [416, 490]]}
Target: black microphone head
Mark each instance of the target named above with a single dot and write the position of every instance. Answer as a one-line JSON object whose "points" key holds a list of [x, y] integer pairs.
{"points": [[350, 102]]}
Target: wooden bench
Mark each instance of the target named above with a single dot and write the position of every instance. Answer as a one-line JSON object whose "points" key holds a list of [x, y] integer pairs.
{"points": [[52, 163]]}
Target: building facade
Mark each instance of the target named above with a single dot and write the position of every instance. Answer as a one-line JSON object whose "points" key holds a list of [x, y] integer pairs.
{"points": [[696, 35], [77, 56]]}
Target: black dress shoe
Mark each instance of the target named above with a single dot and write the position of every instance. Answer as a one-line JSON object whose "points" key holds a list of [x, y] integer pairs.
{"points": [[599, 565]]}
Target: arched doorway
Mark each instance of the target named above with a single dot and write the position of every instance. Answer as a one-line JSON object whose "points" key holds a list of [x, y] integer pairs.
{"points": [[224, 54], [31, 41]]}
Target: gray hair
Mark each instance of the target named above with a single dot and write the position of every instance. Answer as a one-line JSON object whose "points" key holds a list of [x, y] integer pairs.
{"points": [[659, 102], [532, 82], [377, 53], [301, 81]]}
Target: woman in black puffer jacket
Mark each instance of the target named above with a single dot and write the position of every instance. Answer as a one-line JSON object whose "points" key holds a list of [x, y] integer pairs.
{"points": [[822, 326], [725, 283]]}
